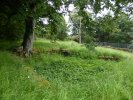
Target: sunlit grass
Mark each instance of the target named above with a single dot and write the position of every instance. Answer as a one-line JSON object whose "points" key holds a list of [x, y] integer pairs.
{"points": [[114, 51], [59, 44], [52, 76]]}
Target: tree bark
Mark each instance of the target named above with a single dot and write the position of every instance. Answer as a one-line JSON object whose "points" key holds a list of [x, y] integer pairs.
{"points": [[28, 36]]}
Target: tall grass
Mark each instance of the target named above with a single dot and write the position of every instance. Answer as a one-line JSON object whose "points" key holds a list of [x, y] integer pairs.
{"points": [[81, 76]]}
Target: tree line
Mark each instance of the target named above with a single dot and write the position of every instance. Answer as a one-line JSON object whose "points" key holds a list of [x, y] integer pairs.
{"points": [[20, 19]]}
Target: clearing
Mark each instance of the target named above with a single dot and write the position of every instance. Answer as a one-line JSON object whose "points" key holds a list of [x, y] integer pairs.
{"points": [[66, 71]]}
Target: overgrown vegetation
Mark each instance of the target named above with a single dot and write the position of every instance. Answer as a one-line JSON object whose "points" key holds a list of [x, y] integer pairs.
{"points": [[65, 70], [53, 76], [23, 18]]}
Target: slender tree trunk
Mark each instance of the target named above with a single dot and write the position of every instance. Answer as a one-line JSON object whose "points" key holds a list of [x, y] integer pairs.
{"points": [[28, 36]]}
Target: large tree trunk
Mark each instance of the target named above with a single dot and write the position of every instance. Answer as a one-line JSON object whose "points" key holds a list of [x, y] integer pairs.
{"points": [[28, 36]]}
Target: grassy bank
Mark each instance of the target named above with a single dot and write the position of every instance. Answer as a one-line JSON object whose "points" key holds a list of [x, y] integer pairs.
{"points": [[81, 75]]}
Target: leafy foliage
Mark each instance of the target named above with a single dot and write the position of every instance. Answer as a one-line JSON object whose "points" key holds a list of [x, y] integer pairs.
{"points": [[114, 29], [48, 9]]}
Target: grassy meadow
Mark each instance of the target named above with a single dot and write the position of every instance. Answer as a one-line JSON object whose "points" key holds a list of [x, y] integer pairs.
{"points": [[82, 74]]}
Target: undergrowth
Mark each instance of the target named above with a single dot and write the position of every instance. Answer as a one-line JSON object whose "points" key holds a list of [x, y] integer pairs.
{"points": [[78, 76]]}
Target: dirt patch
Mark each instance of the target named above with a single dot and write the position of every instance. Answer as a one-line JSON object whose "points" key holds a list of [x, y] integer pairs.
{"points": [[61, 51], [111, 58]]}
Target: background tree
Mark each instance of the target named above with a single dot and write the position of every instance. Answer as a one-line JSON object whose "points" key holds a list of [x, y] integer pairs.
{"points": [[30, 10], [112, 29]]}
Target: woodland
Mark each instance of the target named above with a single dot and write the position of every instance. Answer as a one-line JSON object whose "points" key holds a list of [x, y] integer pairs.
{"points": [[49, 50]]}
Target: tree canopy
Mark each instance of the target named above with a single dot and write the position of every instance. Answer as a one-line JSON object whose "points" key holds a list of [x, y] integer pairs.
{"points": [[19, 17]]}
